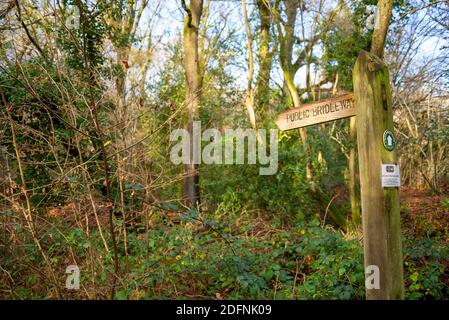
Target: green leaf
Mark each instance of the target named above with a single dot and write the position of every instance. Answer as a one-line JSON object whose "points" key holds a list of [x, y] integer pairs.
{"points": [[122, 294], [268, 274]]}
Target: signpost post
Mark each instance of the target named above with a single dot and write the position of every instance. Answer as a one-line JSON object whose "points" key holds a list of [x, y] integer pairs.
{"points": [[379, 171], [379, 176]]}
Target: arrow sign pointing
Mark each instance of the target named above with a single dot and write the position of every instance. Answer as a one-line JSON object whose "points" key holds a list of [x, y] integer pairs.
{"points": [[389, 141]]}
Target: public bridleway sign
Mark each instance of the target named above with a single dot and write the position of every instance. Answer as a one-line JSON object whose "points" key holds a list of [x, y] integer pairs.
{"points": [[334, 108]]}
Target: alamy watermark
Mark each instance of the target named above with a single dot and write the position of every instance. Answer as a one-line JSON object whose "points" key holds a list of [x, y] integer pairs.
{"points": [[72, 281], [73, 19], [373, 20], [372, 277], [221, 149]]}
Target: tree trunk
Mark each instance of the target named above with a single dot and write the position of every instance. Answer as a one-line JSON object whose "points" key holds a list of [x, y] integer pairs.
{"points": [[265, 57], [191, 192], [289, 69], [384, 10], [353, 194]]}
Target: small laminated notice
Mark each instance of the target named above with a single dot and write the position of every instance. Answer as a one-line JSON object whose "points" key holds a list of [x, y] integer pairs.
{"points": [[390, 176]]}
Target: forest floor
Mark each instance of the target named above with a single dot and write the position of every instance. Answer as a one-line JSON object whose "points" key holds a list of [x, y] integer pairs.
{"points": [[424, 212], [226, 257]]}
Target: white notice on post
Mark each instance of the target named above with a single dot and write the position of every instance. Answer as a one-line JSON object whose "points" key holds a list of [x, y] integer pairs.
{"points": [[390, 176]]}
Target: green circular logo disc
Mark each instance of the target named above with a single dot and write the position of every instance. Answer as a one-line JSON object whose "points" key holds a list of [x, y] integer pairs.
{"points": [[389, 140]]}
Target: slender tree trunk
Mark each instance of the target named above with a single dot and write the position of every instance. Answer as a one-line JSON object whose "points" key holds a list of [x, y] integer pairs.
{"points": [[249, 100], [193, 83], [265, 56], [353, 194], [384, 10], [289, 69]]}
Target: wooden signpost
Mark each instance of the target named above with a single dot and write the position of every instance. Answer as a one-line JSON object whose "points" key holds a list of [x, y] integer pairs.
{"points": [[378, 164], [379, 172], [318, 112]]}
